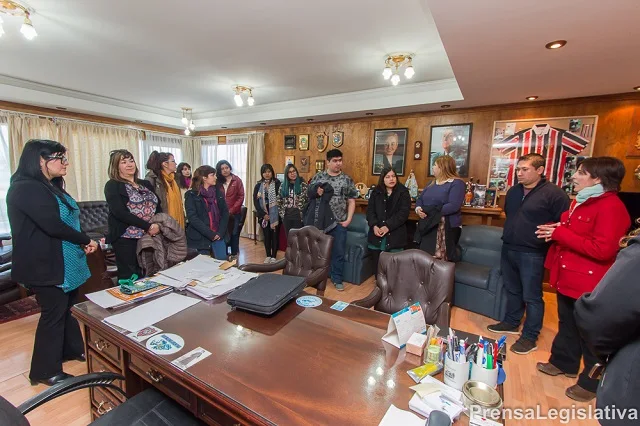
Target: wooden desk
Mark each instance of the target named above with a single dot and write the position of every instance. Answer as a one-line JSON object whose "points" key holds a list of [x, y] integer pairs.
{"points": [[486, 214], [301, 366]]}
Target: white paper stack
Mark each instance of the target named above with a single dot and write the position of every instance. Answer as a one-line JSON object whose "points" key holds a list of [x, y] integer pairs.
{"points": [[201, 268], [431, 394], [222, 283]]}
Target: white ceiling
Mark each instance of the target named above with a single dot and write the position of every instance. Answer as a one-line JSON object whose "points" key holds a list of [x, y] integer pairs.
{"points": [[145, 59]]}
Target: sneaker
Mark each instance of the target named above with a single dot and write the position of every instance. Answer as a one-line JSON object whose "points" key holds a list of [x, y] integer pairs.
{"points": [[274, 259], [580, 394], [523, 346], [503, 327], [267, 260], [552, 370], [339, 286]]}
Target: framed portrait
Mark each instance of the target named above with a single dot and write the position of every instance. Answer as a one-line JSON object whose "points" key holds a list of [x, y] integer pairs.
{"points": [[289, 159], [303, 142], [389, 150], [562, 141], [290, 142], [453, 140], [304, 164], [321, 141]]}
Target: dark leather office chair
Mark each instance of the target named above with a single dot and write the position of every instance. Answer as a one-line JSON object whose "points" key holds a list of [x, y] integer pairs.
{"points": [[149, 407], [413, 276], [94, 216], [308, 255]]}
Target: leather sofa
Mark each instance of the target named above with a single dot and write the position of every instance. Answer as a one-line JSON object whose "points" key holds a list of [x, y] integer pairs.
{"points": [[411, 276], [358, 265], [478, 278]]}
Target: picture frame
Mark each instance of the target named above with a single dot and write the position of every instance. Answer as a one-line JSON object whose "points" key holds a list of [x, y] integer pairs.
{"points": [[280, 177], [289, 159], [337, 139], [557, 139], [290, 142], [321, 141], [303, 142], [453, 140], [305, 162], [319, 166], [389, 150]]}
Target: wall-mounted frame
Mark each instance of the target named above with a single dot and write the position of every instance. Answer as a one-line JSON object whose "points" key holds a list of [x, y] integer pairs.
{"points": [[321, 141], [389, 150], [453, 140], [305, 161], [290, 142], [556, 139], [289, 159], [303, 142]]}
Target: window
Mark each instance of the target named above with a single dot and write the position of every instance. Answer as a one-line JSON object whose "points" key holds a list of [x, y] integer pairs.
{"points": [[5, 175], [161, 143], [234, 151]]}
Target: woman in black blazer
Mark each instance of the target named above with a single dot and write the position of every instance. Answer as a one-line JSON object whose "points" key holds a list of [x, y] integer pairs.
{"points": [[132, 204], [387, 213], [49, 254], [265, 201], [207, 214]]}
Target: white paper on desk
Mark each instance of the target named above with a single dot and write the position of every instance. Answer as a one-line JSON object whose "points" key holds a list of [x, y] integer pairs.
{"points": [[198, 268], [164, 280], [216, 288], [451, 393], [151, 312], [432, 402], [103, 299], [397, 417], [403, 324]]}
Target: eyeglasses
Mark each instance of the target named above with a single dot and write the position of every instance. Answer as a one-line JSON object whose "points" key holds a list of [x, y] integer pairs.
{"points": [[62, 158]]}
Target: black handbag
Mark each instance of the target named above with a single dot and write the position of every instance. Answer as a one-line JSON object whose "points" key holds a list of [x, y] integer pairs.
{"points": [[266, 294]]}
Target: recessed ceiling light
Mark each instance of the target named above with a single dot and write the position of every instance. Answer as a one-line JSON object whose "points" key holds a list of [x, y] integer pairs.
{"points": [[369, 113], [138, 121], [532, 98], [61, 108], [556, 44], [445, 106], [263, 124], [309, 119], [637, 88], [223, 127]]}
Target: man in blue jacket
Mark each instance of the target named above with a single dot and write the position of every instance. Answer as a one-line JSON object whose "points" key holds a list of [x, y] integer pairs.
{"points": [[533, 201]]}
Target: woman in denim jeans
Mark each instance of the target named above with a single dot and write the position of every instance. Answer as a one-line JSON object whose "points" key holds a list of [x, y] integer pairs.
{"points": [[233, 189]]}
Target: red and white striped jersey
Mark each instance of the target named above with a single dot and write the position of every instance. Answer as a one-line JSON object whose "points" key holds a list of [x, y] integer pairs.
{"points": [[554, 144]]}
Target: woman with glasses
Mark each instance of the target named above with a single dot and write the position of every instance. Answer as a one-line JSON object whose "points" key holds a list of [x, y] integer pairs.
{"points": [[292, 199], [49, 254], [162, 176], [132, 203]]}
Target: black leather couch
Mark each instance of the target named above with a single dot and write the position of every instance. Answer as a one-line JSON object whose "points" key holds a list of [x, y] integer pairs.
{"points": [[358, 265], [478, 277]]}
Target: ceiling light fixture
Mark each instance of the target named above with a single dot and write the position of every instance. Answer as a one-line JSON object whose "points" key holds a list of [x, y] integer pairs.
{"points": [[556, 44], [13, 8], [445, 106], [239, 90], [187, 120], [264, 124], [532, 98], [393, 63], [369, 113], [309, 119], [637, 88]]}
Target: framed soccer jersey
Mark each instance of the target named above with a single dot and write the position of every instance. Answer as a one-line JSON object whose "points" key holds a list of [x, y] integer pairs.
{"points": [[558, 140]]}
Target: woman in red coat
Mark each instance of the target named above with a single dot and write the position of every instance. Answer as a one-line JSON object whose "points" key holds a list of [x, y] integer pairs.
{"points": [[584, 246], [233, 189]]}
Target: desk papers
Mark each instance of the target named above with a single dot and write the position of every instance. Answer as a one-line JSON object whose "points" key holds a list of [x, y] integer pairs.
{"points": [[397, 417], [403, 324], [220, 283], [151, 312], [114, 298]]}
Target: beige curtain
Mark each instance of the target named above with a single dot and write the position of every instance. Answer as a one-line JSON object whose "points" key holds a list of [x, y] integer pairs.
{"points": [[24, 127], [192, 152], [255, 160], [88, 148]]}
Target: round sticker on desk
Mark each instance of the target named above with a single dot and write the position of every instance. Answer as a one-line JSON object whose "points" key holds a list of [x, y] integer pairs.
{"points": [[165, 344], [309, 301]]}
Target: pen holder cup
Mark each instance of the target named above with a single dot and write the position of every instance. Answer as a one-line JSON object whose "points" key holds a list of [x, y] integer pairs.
{"points": [[455, 373], [486, 376]]}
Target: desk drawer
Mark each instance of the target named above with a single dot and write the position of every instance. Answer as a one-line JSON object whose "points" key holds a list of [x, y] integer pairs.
{"points": [[106, 348], [168, 386], [213, 415], [102, 401], [97, 365]]}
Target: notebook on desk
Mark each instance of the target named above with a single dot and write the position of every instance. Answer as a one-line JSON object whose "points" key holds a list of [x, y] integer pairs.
{"points": [[266, 294]]}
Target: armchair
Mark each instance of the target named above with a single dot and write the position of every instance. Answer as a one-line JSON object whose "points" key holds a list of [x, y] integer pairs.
{"points": [[413, 276], [478, 278], [149, 405], [358, 265], [9, 290], [308, 255]]}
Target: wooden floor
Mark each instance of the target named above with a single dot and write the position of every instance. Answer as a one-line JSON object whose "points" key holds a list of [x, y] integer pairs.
{"points": [[525, 386]]}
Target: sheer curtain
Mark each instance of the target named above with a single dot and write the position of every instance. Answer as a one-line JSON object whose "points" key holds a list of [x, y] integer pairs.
{"points": [[5, 173], [160, 142], [255, 160], [88, 149], [23, 127], [209, 150], [235, 152]]}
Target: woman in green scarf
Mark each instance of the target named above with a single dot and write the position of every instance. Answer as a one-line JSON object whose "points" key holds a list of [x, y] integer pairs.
{"points": [[292, 199]]}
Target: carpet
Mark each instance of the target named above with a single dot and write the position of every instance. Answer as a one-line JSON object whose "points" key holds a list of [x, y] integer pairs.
{"points": [[18, 309]]}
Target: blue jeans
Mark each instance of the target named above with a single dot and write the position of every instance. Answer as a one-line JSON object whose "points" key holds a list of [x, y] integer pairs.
{"points": [[339, 234], [234, 240], [218, 250], [523, 274]]}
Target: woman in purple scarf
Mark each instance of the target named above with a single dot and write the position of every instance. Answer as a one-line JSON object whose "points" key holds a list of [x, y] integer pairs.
{"points": [[207, 214]]}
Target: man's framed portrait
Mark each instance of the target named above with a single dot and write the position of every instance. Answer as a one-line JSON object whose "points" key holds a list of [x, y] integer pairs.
{"points": [[453, 140], [389, 150]]}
